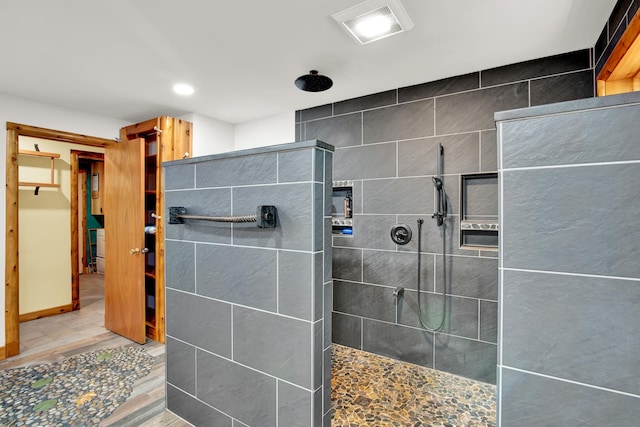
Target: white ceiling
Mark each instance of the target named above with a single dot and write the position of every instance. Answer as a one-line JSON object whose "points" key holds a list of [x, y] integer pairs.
{"points": [[120, 58]]}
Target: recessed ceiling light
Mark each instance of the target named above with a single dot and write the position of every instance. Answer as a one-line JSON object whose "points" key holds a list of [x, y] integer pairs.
{"points": [[374, 20], [183, 89]]}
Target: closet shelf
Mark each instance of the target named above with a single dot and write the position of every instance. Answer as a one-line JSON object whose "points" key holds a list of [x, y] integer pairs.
{"points": [[38, 184], [51, 156], [39, 154], [479, 225]]}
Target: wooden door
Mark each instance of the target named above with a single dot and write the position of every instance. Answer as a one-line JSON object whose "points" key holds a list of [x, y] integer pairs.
{"points": [[124, 239]]}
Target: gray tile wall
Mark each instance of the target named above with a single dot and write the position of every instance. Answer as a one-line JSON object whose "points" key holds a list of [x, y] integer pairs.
{"points": [[386, 143], [248, 310], [569, 275]]}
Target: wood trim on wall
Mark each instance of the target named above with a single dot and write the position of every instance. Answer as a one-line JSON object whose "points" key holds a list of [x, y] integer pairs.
{"points": [[621, 72], [75, 277], [58, 135], [46, 313], [12, 307], [3, 353], [11, 270]]}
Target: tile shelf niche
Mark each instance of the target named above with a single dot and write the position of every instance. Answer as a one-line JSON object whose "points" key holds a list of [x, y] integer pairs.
{"points": [[479, 211], [342, 208]]}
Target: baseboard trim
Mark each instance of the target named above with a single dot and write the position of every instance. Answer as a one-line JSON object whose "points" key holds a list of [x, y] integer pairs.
{"points": [[46, 313], [3, 353]]}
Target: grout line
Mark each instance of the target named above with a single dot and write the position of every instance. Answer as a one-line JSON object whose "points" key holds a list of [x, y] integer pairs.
{"points": [[195, 364], [224, 187], [479, 155], [243, 365], [362, 265], [261, 310], [433, 350], [232, 341], [397, 160], [566, 380], [563, 273], [204, 403], [362, 318], [578, 165], [479, 319], [362, 128], [434, 117], [564, 73], [195, 271], [231, 227], [419, 138], [311, 352], [435, 270], [244, 246]]}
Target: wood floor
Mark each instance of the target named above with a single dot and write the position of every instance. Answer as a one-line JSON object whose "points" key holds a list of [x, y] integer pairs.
{"points": [[54, 338]]}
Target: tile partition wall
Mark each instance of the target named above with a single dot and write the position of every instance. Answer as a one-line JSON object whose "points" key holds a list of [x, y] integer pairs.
{"points": [[247, 344], [570, 279], [386, 143]]}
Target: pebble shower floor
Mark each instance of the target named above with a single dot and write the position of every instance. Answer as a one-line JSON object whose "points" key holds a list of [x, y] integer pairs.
{"points": [[375, 391]]}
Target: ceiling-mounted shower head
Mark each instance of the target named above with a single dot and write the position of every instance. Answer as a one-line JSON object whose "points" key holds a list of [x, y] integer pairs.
{"points": [[313, 82]]}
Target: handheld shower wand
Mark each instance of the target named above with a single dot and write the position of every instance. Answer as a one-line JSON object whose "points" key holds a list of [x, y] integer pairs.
{"points": [[441, 209], [437, 182]]}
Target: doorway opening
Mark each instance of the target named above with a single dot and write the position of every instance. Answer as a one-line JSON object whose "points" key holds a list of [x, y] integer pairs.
{"points": [[12, 276]]}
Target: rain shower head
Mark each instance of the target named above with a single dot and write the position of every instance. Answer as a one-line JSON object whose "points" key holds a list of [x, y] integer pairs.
{"points": [[313, 82]]}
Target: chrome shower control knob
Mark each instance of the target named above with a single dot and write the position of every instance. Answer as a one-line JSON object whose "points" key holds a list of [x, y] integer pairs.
{"points": [[401, 234]]}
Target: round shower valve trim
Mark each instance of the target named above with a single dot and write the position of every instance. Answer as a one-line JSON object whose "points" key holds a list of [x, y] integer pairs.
{"points": [[401, 234]]}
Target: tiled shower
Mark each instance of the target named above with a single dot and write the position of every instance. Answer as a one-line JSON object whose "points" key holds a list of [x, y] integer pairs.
{"points": [[386, 150], [386, 156]]}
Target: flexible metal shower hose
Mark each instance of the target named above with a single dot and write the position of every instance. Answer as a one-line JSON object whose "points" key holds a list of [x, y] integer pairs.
{"points": [[444, 278]]}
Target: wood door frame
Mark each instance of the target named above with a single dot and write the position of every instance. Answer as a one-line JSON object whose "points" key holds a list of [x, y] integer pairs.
{"points": [[75, 276], [621, 71], [11, 293], [83, 174]]}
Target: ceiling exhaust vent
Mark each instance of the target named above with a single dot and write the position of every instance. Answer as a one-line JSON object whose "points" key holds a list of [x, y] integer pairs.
{"points": [[374, 20]]}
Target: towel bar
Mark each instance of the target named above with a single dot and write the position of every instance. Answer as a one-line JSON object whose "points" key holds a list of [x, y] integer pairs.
{"points": [[265, 216]]}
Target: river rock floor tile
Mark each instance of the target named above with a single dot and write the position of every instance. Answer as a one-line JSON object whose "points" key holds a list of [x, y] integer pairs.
{"points": [[375, 391]]}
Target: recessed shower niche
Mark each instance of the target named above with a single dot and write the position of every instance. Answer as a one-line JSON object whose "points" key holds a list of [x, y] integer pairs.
{"points": [[342, 208], [479, 211]]}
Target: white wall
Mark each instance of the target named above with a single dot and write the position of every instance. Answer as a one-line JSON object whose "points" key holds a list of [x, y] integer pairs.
{"points": [[210, 136], [278, 129], [24, 111], [45, 229]]}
